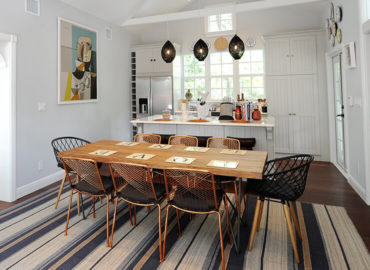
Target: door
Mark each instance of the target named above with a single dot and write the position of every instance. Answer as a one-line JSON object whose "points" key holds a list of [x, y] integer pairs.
{"points": [[161, 93], [277, 57], [303, 55], [144, 61], [303, 114], [339, 110], [278, 95]]}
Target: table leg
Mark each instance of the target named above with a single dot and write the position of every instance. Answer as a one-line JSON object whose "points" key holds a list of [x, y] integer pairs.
{"points": [[239, 207]]}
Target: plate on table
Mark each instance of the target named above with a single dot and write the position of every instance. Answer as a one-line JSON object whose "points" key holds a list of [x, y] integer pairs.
{"points": [[196, 149], [127, 143], [141, 156], [180, 160], [101, 152], [233, 152], [160, 146], [223, 164]]}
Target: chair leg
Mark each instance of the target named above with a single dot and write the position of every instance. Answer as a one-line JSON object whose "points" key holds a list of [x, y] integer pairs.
{"points": [[78, 204], [93, 201], [129, 209], [254, 226], [295, 220], [165, 233], [68, 213], [291, 232], [227, 219], [101, 200], [148, 209], [107, 198], [178, 223], [60, 191], [260, 215], [160, 233], [236, 196], [221, 241], [114, 221], [134, 215]]}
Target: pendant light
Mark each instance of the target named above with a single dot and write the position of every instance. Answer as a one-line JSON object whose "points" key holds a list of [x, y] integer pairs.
{"points": [[236, 47], [168, 51], [200, 50]]}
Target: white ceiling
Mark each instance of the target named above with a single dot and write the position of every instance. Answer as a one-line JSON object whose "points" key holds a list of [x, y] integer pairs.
{"points": [[118, 11]]}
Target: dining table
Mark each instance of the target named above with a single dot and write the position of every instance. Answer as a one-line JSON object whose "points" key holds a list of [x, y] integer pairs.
{"points": [[240, 165]]}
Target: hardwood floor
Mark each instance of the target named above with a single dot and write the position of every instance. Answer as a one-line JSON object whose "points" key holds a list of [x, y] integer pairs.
{"points": [[325, 185]]}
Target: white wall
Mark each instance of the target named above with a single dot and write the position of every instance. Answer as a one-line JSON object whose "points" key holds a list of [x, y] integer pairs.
{"points": [[353, 87], [37, 82]]}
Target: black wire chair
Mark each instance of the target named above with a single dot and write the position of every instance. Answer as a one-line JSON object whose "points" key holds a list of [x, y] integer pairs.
{"points": [[62, 144], [284, 179]]}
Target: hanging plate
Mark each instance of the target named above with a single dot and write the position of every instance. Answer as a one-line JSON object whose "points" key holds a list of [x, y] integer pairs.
{"points": [[221, 44], [339, 14], [339, 36]]}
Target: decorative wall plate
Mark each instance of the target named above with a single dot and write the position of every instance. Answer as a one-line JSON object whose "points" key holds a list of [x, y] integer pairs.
{"points": [[328, 28], [250, 42], [339, 36], [334, 28], [332, 40], [338, 14], [331, 12], [221, 44]]}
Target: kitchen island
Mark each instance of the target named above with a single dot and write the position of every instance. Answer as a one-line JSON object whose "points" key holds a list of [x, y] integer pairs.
{"points": [[262, 131]]}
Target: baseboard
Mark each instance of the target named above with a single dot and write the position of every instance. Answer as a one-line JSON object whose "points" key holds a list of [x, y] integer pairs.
{"points": [[38, 184]]}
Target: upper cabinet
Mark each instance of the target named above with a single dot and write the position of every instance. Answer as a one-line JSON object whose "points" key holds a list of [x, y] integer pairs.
{"points": [[291, 56], [149, 61]]}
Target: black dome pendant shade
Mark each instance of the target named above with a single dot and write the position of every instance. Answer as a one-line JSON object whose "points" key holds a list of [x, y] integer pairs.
{"points": [[236, 47], [200, 50], [168, 52]]}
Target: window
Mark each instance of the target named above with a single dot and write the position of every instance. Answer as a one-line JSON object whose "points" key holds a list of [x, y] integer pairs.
{"points": [[251, 71], [222, 71], [194, 76], [221, 22]]}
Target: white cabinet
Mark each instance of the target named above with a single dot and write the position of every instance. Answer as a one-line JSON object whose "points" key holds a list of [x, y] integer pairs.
{"points": [[293, 103], [295, 55], [149, 61]]}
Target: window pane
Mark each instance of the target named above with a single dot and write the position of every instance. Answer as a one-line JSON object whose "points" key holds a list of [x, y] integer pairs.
{"points": [[212, 18], [199, 69], [257, 68], [257, 55], [246, 57], [258, 93], [216, 82], [245, 68], [229, 92], [215, 58], [226, 16], [213, 27], [257, 81], [189, 83], [200, 84], [227, 83], [215, 70], [226, 25], [216, 94], [188, 71], [188, 59], [245, 82], [226, 58], [227, 69]]}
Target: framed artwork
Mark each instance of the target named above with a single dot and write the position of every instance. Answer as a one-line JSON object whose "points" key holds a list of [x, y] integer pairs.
{"points": [[77, 63]]}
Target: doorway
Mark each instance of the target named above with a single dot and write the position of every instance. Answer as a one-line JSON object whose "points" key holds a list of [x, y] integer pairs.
{"points": [[339, 110]]}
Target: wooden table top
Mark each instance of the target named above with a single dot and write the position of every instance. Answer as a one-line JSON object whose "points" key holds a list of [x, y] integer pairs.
{"points": [[250, 165]]}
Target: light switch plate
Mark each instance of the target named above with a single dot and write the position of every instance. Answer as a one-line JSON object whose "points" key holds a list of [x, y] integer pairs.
{"points": [[42, 107]]}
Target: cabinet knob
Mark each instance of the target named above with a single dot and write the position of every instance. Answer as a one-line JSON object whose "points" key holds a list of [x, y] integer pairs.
{"points": [[154, 60]]}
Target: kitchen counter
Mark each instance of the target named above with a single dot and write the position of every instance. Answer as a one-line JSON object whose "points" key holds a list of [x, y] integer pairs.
{"points": [[212, 121]]}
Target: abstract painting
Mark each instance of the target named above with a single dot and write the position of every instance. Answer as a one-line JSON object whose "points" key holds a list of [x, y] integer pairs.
{"points": [[77, 59]]}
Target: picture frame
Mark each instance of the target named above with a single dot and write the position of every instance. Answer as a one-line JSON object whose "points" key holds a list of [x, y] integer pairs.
{"points": [[77, 63], [349, 51]]}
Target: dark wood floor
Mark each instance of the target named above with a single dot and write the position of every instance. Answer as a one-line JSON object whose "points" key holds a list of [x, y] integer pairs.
{"points": [[325, 185]]}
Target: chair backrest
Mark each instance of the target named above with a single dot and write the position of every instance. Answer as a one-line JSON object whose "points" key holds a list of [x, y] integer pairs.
{"points": [[183, 140], [197, 184], [62, 144], [135, 175], [287, 176], [147, 137], [86, 169], [224, 143]]}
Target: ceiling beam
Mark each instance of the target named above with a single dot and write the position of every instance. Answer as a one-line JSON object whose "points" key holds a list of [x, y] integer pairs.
{"points": [[233, 8]]}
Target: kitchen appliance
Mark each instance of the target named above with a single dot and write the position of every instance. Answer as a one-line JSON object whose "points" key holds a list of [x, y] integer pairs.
{"points": [[226, 111], [153, 95]]}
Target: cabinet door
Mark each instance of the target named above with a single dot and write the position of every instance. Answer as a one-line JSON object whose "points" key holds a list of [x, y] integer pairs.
{"points": [[144, 61], [277, 57], [278, 96], [160, 66], [304, 111], [303, 55]]}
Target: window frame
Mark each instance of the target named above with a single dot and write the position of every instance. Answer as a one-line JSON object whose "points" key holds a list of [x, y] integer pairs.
{"points": [[219, 33]]}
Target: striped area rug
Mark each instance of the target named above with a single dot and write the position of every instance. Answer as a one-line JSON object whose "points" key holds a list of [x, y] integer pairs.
{"points": [[32, 237]]}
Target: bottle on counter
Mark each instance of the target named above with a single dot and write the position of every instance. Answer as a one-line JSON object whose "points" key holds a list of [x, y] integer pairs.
{"points": [[238, 113], [256, 115]]}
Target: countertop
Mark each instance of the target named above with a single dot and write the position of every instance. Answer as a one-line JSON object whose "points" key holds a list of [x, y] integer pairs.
{"points": [[212, 121]]}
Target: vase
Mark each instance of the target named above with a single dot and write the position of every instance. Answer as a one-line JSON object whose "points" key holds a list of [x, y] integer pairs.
{"points": [[188, 95]]}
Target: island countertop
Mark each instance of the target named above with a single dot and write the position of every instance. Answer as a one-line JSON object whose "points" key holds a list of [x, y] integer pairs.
{"points": [[267, 122]]}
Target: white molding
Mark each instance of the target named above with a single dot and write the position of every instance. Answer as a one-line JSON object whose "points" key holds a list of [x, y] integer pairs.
{"points": [[245, 7], [294, 34], [38, 184]]}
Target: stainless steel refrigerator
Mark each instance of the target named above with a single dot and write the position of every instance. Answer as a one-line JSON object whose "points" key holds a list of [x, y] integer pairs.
{"points": [[153, 95]]}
